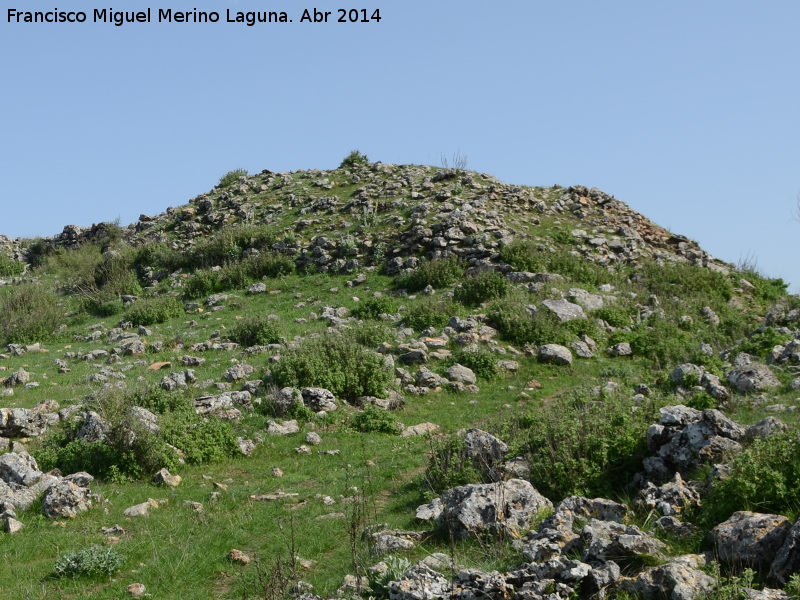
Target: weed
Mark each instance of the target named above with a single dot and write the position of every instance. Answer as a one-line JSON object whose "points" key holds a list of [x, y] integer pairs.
{"points": [[431, 312], [30, 313], [93, 561], [255, 331], [435, 273], [10, 267], [482, 287], [373, 308], [149, 311], [231, 177], [375, 420]]}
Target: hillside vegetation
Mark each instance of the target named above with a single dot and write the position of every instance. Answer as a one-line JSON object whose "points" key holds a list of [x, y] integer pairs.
{"points": [[394, 381]]}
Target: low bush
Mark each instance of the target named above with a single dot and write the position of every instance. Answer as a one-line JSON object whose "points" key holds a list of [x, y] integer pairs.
{"points": [[94, 561], [763, 478], [449, 466], [524, 256], [373, 308], [482, 287], [371, 335], [375, 420], [208, 441], [232, 177], [10, 267], [149, 311], [334, 361], [234, 276], [269, 264], [356, 157], [520, 326], [436, 273], [431, 312], [255, 331], [760, 344], [200, 284], [615, 315], [157, 256], [584, 445], [31, 312], [483, 364]]}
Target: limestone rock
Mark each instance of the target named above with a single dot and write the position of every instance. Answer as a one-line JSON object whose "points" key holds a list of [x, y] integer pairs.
{"points": [[555, 354], [753, 377], [65, 499], [750, 539]]}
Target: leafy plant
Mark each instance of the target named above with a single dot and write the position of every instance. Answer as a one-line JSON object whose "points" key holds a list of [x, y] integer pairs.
{"points": [[379, 579], [355, 158], [430, 312], [373, 308], [334, 361], [232, 177], [436, 273], [10, 267], [449, 466], [149, 311], [483, 364], [375, 420], [479, 288], [255, 331], [30, 312], [763, 478], [93, 561]]}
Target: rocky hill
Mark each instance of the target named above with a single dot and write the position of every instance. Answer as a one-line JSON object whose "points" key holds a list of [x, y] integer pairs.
{"points": [[394, 381]]}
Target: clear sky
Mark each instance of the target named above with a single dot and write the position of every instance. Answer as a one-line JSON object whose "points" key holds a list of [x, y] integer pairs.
{"points": [[687, 111]]}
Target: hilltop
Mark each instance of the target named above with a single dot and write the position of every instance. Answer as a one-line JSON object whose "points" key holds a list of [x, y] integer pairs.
{"points": [[394, 381]]}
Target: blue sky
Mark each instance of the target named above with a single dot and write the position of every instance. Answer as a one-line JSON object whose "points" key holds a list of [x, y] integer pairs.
{"points": [[687, 111]]}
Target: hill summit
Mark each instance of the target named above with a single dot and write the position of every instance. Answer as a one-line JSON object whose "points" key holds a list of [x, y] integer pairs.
{"points": [[403, 382]]}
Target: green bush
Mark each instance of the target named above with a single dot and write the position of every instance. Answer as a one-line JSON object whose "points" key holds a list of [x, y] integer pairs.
{"points": [[483, 364], [200, 284], [269, 264], [519, 326], [524, 256], [371, 335], [760, 344], [234, 276], [149, 311], [356, 157], [10, 267], [157, 256], [29, 313], [395, 569], [373, 308], [764, 478], [375, 420], [449, 466], [684, 280], [430, 312], [480, 288], [255, 331], [201, 441], [93, 561], [660, 340], [615, 315], [334, 361], [586, 446], [436, 273], [232, 177]]}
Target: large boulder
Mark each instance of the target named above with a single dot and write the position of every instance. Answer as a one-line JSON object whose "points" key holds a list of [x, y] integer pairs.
{"points": [[555, 354], [752, 378], [787, 561], [678, 579], [565, 310], [19, 468], [750, 539], [499, 508], [318, 399], [64, 499]]}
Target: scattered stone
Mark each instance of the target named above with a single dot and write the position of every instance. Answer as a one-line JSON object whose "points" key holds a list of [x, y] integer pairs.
{"points": [[284, 428], [163, 477], [238, 556], [136, 590], [555, 354], [421, 429]]}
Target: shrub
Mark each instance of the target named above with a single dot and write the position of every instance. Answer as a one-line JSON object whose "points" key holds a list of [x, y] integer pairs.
{"points": [[614, 315], [430, 312], [762, 342], [232, 177], [373, 308], [519, 326], [371, 335], [477, 289], [234, 276], [660, 340], [30, 313], [524, 256], [227, 246], [201, 441], [585, 446], [379, 580], [149, 311], [375, 420], [10, 267], [685, 280], [356, 157], [334, 361], [269, 264], [763, 478], [201, 284], [255, 331], [449, 466], [436, 273], [93, 561], [157, 256], [483, 364]]}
